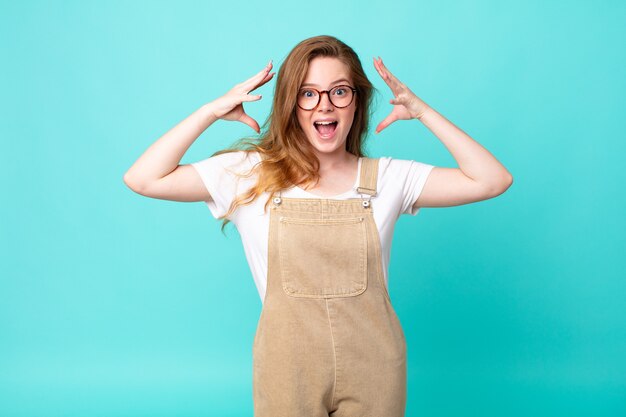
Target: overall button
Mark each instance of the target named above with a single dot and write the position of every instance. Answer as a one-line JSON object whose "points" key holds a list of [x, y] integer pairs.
{"points": [[366, 203], [277, 200]]}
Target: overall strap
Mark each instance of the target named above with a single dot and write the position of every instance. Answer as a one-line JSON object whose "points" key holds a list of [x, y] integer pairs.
{"points": [[369, 176]]}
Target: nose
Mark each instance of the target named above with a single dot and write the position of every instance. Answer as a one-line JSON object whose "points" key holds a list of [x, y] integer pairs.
{"points": [[325, 103]]}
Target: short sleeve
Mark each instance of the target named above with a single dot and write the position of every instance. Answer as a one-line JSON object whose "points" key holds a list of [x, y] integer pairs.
{"points": [[411, 176], [222, 177]]}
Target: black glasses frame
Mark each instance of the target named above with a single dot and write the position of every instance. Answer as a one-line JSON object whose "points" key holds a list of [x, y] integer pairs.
{"points": [[319, 96]]}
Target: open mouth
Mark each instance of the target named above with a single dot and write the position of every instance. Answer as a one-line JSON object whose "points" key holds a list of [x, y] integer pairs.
{"points": [[325, 129]]}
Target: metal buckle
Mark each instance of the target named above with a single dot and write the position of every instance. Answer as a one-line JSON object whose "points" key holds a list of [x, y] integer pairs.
{"points": [[366, 203]]}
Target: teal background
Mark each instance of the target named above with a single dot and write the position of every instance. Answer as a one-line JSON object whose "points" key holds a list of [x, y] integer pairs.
{"points": [[113, 304]]}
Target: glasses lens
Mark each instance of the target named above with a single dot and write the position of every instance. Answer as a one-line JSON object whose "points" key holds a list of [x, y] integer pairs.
{"points": [[308, 98], [340, 96]]}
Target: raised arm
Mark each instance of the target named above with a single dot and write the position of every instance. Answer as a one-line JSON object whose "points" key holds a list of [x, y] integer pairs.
{"points": [[157, 172], [480, 175]]}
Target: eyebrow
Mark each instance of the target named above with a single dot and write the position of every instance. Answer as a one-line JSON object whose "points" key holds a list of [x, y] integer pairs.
{"points": [[334, 82]]}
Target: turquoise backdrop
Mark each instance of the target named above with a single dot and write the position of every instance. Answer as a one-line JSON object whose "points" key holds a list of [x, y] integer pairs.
{"points": [[114, 304]]}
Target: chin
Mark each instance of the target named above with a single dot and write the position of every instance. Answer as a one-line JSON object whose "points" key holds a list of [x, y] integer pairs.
{"points": [[328, 147]]}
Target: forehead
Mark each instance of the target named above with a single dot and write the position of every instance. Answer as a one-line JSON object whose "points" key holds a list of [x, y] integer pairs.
{"points": [[325, 71]]}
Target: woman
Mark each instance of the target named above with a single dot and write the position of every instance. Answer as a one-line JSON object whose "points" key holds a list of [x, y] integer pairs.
{"points": [[316, 220]]}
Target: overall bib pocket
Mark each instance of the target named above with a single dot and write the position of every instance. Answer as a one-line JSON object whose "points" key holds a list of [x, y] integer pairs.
{"points": [[323, 258]]}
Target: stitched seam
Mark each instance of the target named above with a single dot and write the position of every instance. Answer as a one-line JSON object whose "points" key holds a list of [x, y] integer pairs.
{"points": [[369, 176], [379, 261], [332, 402]]}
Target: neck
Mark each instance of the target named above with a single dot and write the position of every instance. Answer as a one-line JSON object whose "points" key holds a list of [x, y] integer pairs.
{"points": [[330, 162]]}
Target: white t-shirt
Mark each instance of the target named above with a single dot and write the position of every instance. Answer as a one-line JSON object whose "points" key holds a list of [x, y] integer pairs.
{"points": [[400, 183]]}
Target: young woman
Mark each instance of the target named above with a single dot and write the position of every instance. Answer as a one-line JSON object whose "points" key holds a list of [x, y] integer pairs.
{"points": [[316, 220]]}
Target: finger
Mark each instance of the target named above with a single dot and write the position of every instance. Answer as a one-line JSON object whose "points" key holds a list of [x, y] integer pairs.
{"points": [[384, 68], [264, 80], [385, 75], [380, 69], [251, 97], [249, 84], [244, 118], [386, 122], [256, 83], [393, 83]]}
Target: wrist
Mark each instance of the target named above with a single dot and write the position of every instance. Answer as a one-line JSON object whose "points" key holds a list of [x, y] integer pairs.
{"points": [[424, 113], [207, 113]]}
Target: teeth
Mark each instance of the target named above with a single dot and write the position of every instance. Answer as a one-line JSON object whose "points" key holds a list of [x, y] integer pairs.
{"points": [[324, 123]]}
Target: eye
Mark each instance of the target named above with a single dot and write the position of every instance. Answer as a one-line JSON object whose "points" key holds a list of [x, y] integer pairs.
{"points": [[307, 93], [340, 91]]}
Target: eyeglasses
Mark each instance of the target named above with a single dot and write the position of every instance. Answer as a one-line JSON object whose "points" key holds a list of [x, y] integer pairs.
{"points": [[340, 96]]}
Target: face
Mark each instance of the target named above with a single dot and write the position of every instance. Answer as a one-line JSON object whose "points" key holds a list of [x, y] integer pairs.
{"points": [[323, 74]]}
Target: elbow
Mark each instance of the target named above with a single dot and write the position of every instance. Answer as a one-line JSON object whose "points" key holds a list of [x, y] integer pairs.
{"points": [[495, 188], [507, 181], [131, 183], [128, 180], [503, 185]]}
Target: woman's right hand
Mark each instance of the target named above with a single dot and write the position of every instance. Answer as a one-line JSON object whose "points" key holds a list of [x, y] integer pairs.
{"points": [[230, 105]]}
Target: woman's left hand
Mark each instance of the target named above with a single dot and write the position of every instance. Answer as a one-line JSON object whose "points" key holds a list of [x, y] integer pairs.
{"points": [[406, 104]]}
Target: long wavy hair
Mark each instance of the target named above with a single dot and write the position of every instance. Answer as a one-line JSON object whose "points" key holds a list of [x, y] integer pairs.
{"points": [[287, 157]]}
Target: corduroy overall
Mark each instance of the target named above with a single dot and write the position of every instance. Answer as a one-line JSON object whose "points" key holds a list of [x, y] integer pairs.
{"points": [[328, 341]]}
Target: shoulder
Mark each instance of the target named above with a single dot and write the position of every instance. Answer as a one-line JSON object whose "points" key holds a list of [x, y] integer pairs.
{"points": [[398, 169], [237, 161], [236, 157], [402, 181]]}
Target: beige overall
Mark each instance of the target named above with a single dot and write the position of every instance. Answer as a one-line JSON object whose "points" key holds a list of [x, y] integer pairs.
{"points": [[328, 341]]}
